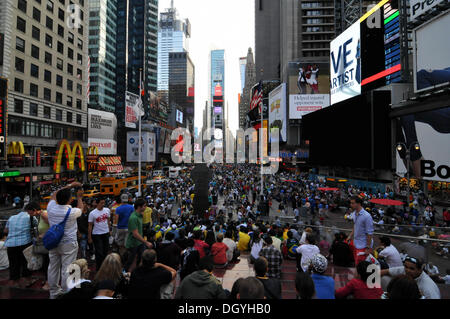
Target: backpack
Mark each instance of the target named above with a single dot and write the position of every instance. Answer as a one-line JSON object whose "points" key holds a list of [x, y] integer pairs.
{"points": [[54, 234]]}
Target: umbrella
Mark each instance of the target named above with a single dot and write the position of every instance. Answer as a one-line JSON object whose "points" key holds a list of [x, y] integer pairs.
{"points": [[291, 181], [325, 189], [387, 202]]}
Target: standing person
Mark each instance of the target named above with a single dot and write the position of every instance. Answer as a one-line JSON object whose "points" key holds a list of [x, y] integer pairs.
{"points": [[42, 228], [66, 252], [121, 217], [18, 228], [4, 262], [83, 230], [273, 256], [99, 231], [147, 220], [135, 242], [446, 216], [362, 230]]}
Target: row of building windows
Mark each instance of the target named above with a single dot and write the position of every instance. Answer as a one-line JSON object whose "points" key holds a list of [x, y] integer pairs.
{"points": [[34, 111]]}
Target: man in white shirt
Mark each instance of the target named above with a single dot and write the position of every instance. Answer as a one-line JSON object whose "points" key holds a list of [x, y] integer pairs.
{"points": [[431, 269], [232, 247], [66, 252], [413, 267], [390, 253], [307, 251], [99, 231]]}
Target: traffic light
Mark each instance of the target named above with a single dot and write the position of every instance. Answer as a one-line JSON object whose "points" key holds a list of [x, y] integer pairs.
{"points": [[3, 109]]}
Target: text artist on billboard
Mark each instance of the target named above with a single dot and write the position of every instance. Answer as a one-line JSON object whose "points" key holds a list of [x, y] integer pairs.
{"points": [[432, 59], [309, 87], [102, 130], [277, 112], [345, 64]]}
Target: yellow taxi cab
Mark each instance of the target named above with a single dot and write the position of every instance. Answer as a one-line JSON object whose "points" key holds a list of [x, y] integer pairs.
{"points": [[91, 193]]}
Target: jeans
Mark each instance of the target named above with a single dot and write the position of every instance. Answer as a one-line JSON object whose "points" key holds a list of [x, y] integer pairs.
{"points": [[101, 246], [17, 262], [83, 245], [60, 258]]}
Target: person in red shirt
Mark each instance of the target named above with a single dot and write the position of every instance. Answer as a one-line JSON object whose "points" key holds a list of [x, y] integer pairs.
{"points": [[446, 216], [200, 245], [219, 251], [358, 285]]}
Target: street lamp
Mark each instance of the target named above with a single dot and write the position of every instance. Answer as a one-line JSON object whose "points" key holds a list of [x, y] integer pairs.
{"points": [[401, 146]]}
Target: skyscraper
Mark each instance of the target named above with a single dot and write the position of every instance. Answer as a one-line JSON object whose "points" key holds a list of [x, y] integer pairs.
{"points": [[250, 80], [242, 63], [102, 53], [217, 88], [173, 36]]}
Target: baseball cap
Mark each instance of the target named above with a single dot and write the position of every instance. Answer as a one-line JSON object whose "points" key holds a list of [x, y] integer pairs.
{"points": [[319, 263], [124, 197]]}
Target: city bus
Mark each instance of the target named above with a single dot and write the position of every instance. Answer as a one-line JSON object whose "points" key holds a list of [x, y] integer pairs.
{"points": [[113, 185]]}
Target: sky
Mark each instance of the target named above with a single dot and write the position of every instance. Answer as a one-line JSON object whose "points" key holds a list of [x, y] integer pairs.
{"points": [[217, 24]]}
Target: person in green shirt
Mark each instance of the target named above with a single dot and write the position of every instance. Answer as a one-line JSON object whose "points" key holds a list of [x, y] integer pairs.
{"points": [[135, 242]]}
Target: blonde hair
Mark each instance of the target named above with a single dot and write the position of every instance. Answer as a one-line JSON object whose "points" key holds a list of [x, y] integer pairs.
{"points": [[111, 269], [84, 268]]}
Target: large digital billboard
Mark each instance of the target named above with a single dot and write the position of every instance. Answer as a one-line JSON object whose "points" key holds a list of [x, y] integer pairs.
{"points": [[147, 143], [431, 55], [102, 131], [277, 112]]}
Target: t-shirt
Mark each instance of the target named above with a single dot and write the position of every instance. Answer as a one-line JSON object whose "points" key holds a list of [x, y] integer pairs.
{"points": [[100, 220], [135, 222], [124, 212], [147, 216], [276, 242], [324, 286], [392, 256], [56, 214], [272, 287], [219, 251], [146, 283], [244, 239], [426, 285], [359, 290], [231, 244], [307, 251]]}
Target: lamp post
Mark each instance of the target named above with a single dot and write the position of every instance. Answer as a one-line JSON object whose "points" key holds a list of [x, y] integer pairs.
{"points": [[401, 146]]}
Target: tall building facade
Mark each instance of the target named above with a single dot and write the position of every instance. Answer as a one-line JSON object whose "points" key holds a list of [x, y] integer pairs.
{"points": [[242, 64], [45, 63], [173, 36], [250, 80], [217, 89], [181, 90], [102, 53]]}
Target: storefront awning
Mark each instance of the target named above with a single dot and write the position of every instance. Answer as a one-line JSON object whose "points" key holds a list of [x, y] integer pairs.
{"points": [[111, 164]]}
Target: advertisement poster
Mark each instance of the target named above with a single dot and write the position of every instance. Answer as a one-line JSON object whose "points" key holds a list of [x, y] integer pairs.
{"points": [[148, 147], [179, 117], [167, 143], [431, 61], [131, 116], [162, 135], [345, 64], [432, 132], [102, 130], [277, 112], [309, 88]]}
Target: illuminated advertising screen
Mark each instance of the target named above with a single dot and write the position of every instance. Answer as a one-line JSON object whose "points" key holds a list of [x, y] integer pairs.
{"points": [[217, 110]]}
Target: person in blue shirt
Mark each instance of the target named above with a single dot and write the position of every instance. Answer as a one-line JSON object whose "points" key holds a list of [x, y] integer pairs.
{"points": [[121, 217], [324, 285]]}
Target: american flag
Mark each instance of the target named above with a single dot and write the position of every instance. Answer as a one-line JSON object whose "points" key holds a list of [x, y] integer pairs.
{"points": [[257, 97]]}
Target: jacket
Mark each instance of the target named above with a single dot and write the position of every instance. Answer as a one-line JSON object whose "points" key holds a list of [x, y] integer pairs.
{"points": [[200, 285]]}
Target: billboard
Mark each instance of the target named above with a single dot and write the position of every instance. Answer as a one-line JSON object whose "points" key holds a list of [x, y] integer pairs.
{"points": [[148, 147], [345, 64], [179, 116], [431, 61], [102, 131], [431, 131], [131, 116], [419, 7], [277, 112], [217, 109], [309, 87], [162, 135], [167, 143]]}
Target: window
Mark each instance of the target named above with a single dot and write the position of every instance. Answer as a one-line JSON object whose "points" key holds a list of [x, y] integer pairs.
{"points": [[79, 74], [58, 99], [34, 70], [69, 85], [35, 51], [61, 31], [70, 53], [59, 80], [22, 5], [18, 106], [69, 117], [48, 76], [80, 44], [63, 2], [70, 68], [48, 41], [34, 109], [79, 89], [80, 30], [36, 33], [20, 44], [48, 58], [69, 101], [47, 112], [36, 14], [50, 6], [20, 65], [70, 37], [61, 14], [47, 94], [79, 58], [49, 23], [79, 119], [59, 64], [34, 90], [79, 103], [21, 24], [60, 47], [18, 85]]}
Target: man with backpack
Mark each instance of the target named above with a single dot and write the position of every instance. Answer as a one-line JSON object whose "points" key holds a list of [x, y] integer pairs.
{"points": [[66, 251]]}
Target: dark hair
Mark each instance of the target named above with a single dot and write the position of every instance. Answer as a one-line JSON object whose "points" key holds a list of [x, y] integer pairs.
{"points": [[357, 199], [206, 263], [190, 242], [385, 241], [210, 238], [149, 258], [268, 240], [243, 229], [63, 196], [304, 285], [361, 268], [260, 266], [228, 233], [290, 234], [170, 236], [403, 287], [235, 288], [139, 203], [181, 233], [197, 234], [251, 288], [32, 206], [311, 239]]}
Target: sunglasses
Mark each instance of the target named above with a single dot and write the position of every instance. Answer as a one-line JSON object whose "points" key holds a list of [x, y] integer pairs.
{"points": [[412, 259]]}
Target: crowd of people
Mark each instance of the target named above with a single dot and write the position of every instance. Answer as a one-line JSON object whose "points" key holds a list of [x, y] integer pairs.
{"points": [[157, 246]]}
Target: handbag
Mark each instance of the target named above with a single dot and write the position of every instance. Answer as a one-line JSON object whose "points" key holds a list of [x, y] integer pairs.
{"points": [[54, 234], [38, 245], [34, 262]]}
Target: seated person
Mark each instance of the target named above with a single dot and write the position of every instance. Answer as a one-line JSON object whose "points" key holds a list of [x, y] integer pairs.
{"points": [[357, 287]]}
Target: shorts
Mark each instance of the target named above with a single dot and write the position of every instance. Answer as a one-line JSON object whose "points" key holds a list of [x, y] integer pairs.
{"points": [[120, 237]]}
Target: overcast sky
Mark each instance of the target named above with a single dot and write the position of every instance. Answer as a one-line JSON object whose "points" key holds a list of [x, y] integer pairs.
{"points": [[217, 24]]}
